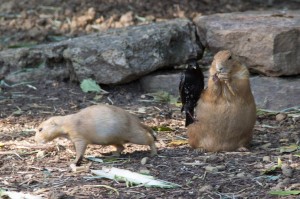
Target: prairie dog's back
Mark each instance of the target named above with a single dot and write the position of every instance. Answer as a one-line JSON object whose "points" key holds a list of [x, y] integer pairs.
{"points": [[105, 124]]}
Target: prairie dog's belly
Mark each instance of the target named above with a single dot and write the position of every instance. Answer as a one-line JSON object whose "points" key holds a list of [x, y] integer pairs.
{"points": [[225, 117]]}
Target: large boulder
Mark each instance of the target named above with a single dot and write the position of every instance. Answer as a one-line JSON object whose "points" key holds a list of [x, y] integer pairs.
{"points": [[276, 93], [267, 42], [112, 57]]}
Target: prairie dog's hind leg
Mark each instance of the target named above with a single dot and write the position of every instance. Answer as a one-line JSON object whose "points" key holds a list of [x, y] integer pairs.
{"points": [[119, 149], [153, 149], [80, 147]]}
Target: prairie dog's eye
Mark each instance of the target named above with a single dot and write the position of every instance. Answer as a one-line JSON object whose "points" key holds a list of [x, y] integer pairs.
{"points": [[229, 58], [40, 129]]}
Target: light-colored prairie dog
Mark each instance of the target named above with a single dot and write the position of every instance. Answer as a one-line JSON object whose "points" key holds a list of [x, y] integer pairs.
{"points": [[98, 124], [226, 111]]}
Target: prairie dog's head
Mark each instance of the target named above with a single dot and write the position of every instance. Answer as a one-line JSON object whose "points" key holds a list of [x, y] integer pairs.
{"points": [[48, 130], [224, 67]]}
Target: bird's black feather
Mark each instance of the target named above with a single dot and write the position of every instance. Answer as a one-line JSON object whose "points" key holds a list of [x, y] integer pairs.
{"points": [[190, 88]]}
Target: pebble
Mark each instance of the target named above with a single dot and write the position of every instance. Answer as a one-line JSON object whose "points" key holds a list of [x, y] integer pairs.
{"points": [[212, 157], [266, 146], [240, 175], [144, 160], [220, 167], [211, 169], [287, 171], [206, 188], [40, 154], [144, 171], [266, 158], [282, 184], [280, 117]]}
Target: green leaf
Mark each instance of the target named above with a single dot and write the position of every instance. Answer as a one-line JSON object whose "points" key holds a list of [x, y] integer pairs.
{"points": [[162, 128], [285, 193], [274, 168], [164, 97], [23, 45], [177, 142], [54, 38], [289, 149], [265, 112], [89, 85]]}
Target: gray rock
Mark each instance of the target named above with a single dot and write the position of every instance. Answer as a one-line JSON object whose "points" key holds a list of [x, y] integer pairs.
{"points": [[113, 57], [161, 81], [276, 93], [167, 81], [267, 42]]}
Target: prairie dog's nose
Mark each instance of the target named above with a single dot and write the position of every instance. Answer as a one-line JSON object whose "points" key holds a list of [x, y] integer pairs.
{"points": [[219, 67]]}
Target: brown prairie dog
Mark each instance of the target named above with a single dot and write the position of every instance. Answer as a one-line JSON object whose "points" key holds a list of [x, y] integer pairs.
{"points": [[98, 124], [226, 111]]}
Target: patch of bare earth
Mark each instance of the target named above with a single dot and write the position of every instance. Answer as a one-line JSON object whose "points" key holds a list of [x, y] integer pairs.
{"points": [[44, 169]]}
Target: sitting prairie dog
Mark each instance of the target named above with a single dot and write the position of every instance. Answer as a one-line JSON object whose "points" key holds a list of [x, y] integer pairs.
{"points": [[226, 110], [98, 124]]}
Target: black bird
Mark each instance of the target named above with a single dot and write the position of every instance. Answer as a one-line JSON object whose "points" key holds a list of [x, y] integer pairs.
{"points": [[190, 87]]}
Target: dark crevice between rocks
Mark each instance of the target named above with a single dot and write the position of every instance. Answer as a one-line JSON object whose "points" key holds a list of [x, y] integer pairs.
{"points": [[58, 65]]}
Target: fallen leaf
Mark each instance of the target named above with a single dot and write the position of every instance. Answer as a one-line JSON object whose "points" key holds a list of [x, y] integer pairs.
{"points": [[162, 128], [274, 168], [98, 97], [265, 112], [177, 142], [285, 193], [17, 112], [132, 178], [90, 85], [289, 149], [162, 96]]}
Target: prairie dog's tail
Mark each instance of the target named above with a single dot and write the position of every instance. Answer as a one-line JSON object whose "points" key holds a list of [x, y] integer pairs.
{"points": [[151, 131], [154, 134]]}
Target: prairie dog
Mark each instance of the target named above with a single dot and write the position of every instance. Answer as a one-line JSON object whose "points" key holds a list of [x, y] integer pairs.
{"points": [[226, 110], [98, 124]]}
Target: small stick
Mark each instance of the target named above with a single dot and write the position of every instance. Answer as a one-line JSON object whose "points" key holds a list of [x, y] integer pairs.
{"points": [[105, 186], [230, 88], [10, 153]]}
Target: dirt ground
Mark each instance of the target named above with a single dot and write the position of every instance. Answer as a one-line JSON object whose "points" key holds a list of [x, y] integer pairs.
{"points": [[44, 169]]}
